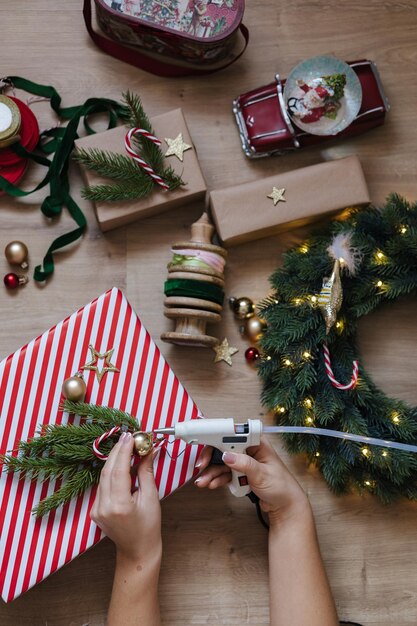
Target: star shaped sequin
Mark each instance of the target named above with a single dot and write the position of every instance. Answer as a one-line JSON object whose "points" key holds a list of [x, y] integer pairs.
{"points": [[224, 352], [277, 195], [93, 364], [177, 147]]}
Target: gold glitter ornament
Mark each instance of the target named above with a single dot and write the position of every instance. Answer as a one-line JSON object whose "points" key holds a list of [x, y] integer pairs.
{"points": [[224, 352], [254, 328], [16, 253], [177, 147], [143, 442], [277, 195], [93, 364], [331, 295], [74, 388], [242, 307]]}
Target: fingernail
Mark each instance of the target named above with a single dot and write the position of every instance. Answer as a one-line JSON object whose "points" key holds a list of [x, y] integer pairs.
{"points": [[197, 465], [155, 453], [229, 457], [127, 437], [197, 480]]}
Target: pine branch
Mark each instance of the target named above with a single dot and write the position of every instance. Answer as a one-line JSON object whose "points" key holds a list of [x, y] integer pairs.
{"points": [[102, 414], [42, 468], [72, 488], [110, 164], [114, 193]]}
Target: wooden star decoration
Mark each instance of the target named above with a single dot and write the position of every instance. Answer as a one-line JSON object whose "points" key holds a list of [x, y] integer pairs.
{"points": [[95, 357], [277, 195], [224, 352], [177, 147]]}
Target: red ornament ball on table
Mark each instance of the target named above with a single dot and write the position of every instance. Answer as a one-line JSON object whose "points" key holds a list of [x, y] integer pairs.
{"points": [[13, 281], [252, 354]]}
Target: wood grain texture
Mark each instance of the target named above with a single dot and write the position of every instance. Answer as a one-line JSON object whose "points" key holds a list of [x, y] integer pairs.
{"points": [[213, 539]]}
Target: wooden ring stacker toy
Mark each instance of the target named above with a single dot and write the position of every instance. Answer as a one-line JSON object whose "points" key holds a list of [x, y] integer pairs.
{"points": [[192, 314]]}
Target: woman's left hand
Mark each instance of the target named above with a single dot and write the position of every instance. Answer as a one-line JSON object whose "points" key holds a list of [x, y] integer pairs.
{"points": [[131, 520]]}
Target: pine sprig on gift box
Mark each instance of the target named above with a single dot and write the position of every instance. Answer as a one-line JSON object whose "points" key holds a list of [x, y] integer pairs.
{"points": [[132, 182], [65, 451], [72, 487]]}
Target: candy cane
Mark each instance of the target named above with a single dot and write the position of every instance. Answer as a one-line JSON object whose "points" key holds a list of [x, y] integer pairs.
{"points": [[138, 159], [103, 437], [331, 376]]}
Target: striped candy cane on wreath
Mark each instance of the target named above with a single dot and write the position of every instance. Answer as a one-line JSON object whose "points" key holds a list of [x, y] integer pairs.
{"points": [[331, 376], [148, 169], [103, 437]]}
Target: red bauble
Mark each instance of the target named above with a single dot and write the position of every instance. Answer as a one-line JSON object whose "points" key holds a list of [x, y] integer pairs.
{"points": [[12, 281], [252, 354]]}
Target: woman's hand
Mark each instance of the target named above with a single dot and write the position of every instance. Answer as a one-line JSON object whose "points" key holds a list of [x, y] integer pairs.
{"points": [[280, 494], [131, 520]]}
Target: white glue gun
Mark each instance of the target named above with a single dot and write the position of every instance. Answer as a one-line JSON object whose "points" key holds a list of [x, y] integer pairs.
{"points": [[224, 435]]}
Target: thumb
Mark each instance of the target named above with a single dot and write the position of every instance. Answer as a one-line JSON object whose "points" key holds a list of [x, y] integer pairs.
{"points": [[146, 476], [243, 463]]}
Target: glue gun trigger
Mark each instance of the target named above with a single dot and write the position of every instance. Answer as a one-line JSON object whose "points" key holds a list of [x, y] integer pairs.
{"points": [[216, 457]]}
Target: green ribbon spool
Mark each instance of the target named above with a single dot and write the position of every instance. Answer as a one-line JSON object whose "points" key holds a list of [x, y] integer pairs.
{"points": [[59, 142], [194, 289]]}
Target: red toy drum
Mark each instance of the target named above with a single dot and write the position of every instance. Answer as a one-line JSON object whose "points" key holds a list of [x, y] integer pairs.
{"points": [[193, 31], [265, 127]]}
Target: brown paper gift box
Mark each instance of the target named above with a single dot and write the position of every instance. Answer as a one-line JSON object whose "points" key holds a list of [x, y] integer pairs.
{"points": [[244, 212], [114, 214]]}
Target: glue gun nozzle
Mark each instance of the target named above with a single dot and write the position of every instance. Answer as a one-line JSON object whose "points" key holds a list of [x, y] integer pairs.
{"points": [[164, 431]]}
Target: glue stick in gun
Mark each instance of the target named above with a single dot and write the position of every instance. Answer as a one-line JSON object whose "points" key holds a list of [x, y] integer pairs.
{"points": [[224, 435]]}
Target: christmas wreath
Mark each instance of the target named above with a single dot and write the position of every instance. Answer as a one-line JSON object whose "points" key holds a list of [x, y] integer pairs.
{"points": [[311, 369]]}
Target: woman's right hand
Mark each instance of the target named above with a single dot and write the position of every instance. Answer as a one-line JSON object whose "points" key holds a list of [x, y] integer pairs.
{"points": [[280, 494]]}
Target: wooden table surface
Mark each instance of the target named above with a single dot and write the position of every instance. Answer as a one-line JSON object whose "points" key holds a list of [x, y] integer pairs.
{"points": [[215, 566]]}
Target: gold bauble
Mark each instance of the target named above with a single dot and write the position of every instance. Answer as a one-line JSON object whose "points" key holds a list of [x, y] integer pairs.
{"points": [[17, 253], [242, 308], [254, 328], [74, 389], [143, 442], [331, 297]]}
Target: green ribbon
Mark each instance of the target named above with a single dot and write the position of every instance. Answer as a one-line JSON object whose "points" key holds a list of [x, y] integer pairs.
{"points": [[59, 143], [194, 289]]}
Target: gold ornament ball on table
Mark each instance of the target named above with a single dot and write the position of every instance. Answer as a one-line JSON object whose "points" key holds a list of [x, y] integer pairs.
{"points": [[16, 253], [143, 443], [254, 328], [242, 308], [74, 388]]}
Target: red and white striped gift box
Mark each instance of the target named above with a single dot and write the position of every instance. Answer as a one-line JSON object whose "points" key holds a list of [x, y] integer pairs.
{"points": [[30, 394]]}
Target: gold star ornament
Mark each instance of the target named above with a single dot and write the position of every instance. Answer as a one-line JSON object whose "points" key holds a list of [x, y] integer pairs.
{"points": [[224, 352], [92, 365], [177, 147], [277, 195]]}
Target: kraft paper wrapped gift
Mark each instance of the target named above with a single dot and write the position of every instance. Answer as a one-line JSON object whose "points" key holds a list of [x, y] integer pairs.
{"points": [[245, 212], [30, 394], [114, 214]]}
